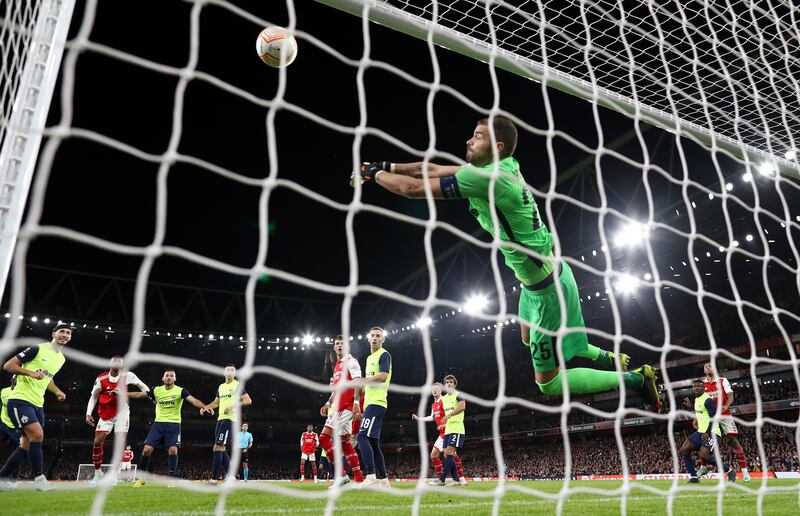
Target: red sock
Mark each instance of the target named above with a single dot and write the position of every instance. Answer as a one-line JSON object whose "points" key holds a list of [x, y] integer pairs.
{"points": [[314, 468], [302, 469], [97, 455], [459, 466], [702, 462], [437, 465], [352, 458], [741, 458], [326, 443]]}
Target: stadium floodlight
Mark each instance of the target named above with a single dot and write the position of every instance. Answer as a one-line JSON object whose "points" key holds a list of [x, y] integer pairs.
{"points": [[749, 238], [308, 339], [626, 284], [630, 235], [790, 154], [47, 320], [34, 319], [648, 276], [767, 169], [476, 304], [747, 176], [729, 186], [296, 340], [423, 322]]}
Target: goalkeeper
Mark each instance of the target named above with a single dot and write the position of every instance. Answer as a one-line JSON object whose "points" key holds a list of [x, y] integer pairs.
{"points": [[519, 223]]}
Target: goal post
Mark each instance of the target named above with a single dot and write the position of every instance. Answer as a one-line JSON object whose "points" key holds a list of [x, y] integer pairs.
{"points": [[32, 40], [398, 15]]}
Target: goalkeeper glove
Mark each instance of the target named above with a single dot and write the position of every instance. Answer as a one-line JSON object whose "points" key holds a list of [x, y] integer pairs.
{"points": [[369, 170]]}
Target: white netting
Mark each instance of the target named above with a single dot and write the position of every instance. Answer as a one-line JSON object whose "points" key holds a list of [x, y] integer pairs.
{"points": [[721, 74], [86, 472]]}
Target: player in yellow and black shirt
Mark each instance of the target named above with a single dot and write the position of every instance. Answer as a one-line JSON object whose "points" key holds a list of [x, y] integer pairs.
{"points": [[229, 394], [166, 430]]}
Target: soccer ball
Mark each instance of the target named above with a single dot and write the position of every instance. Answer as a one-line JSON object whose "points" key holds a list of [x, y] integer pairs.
{"points": [[274, 41]]}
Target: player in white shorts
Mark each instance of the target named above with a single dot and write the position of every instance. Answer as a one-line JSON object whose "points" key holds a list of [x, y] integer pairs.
{"points": [[109, 394], [721, 392]]}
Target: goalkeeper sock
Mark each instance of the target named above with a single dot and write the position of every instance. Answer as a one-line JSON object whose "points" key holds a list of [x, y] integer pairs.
{"points": [[687, 459], [437, 465], [97, 455], [582, 380], [245, 473], [367, 455], [36, 458], [460, 468], [173, 465], [15, 460]]}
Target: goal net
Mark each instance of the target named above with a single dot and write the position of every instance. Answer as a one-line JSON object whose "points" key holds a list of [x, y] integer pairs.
{"points": [[656, 138], [123, 474]]}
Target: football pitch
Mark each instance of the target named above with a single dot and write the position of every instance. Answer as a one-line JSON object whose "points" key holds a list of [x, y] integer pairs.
{"points": [[186, 499]]}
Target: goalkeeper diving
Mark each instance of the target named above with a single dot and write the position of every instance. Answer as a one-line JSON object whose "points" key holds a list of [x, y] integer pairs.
{"points": [[519, 223]]}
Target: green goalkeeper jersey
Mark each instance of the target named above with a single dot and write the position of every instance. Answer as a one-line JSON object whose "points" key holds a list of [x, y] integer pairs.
{"points": [[517, 216]]}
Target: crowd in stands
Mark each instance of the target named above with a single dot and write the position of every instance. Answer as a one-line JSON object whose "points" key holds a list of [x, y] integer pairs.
{"points": [[590, 454]]}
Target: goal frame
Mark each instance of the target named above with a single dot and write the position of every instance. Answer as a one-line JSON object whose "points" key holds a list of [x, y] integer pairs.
{"points": [[418, 27], [23, 136]]}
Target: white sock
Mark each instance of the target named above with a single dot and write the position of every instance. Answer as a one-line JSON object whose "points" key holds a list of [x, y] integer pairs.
{"points": [[371, 476], [744, 470]]}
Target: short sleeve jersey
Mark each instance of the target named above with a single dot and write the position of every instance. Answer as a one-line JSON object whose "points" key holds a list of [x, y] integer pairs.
{"points": [[169, 403], [437, 411], [4, 394], [455, 425], [245, 438], [309, 442], [703, 414], [377, 394], [345, 370], [517, 216], [226, 392], [43, 358], [719, 390]]}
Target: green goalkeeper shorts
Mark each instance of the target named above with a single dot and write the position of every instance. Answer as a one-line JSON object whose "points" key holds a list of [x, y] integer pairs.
{"points": [[540, 309]]}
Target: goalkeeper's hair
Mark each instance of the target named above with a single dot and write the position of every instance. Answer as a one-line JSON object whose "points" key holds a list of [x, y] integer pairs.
{"points": [[504, 131]]}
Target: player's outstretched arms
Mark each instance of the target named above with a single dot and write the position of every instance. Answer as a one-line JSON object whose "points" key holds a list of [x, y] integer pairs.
{"points": [[416, 169]]}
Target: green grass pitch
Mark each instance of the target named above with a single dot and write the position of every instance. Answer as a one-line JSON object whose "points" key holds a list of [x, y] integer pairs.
{"points": [[187, 500]]}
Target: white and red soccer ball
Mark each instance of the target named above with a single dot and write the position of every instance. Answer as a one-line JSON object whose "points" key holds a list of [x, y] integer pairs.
{"points": [[274, 42]]}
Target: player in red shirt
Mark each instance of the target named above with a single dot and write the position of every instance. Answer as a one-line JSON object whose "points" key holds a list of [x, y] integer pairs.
{"points": [[437, 416], [721, 392], [347, 403], [308, 451], [112, 414], [127, 459]]}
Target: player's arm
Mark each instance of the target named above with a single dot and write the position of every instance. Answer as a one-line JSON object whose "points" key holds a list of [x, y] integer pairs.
{"points": [[462, 405], [726, 386], [355, 373], [143, 388], [415, 169], [384, 365], [14, 364], [711, 407], [244, 400], [214, 404], [424, 418], [52, 387], [92, 402], [199, 404]]}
